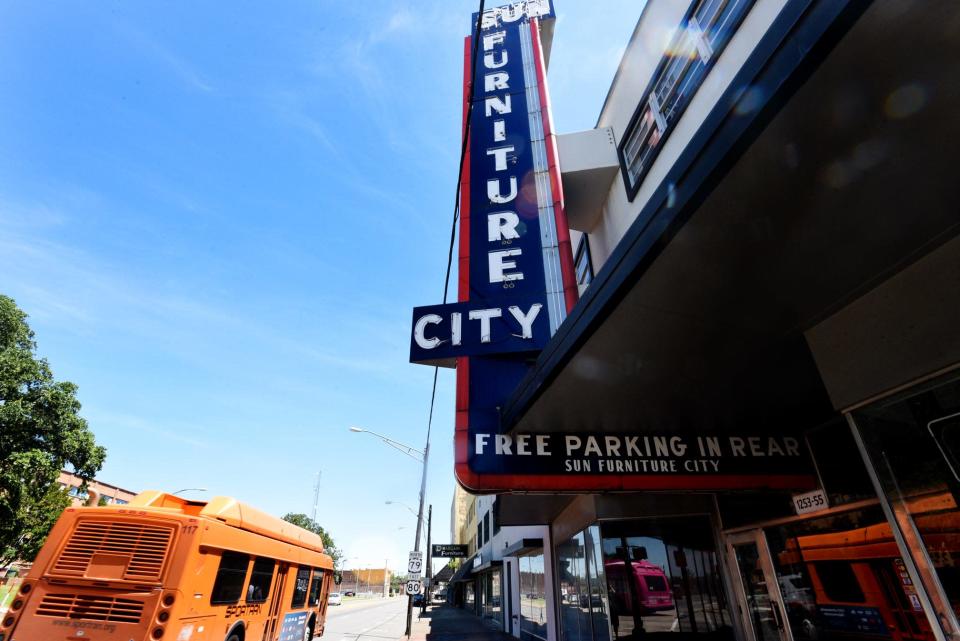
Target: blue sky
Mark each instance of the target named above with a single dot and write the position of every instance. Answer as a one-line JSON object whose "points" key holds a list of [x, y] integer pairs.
{"points": [[219, 216]]}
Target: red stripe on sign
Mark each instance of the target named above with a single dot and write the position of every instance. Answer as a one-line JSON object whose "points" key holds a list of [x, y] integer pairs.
{"points": [[580, 483], [463, 261], [567, 271]]}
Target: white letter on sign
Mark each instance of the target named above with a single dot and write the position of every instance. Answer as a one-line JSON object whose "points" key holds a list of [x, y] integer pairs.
{"points": [[526, 320], [494, 81], [494, 38], [502, 225], [420, 328], [455, 328], [493, 190], [484, 316], [491, 63], [495, 103], [499, 131], [500, 156], [481, 442], [498, 265]]}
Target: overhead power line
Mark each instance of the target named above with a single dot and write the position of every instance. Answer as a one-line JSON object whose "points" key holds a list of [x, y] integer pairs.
{"points": [[456, 195]]}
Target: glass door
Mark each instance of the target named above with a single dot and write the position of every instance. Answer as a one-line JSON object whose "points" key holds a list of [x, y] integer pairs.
{"points": [[759, 593]]}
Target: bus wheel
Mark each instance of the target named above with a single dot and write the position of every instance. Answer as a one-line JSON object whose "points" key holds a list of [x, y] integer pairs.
{"points": [[233, 637]]}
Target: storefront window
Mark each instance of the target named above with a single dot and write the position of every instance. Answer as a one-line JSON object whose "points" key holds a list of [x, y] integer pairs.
{"points": [[663, 576], [583, 590], [533, 598], [469, 597], [491, 594], [842, 577], [912, 442]]}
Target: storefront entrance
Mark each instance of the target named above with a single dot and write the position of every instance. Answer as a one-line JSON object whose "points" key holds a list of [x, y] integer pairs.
{"points": [[837, 576], [759, 594]]}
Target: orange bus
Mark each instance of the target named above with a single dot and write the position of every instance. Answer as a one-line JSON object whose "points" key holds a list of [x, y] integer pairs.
{"points": [[162, 568]]}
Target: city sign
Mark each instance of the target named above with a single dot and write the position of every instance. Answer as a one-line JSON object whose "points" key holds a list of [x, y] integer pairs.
{"points": [[442, 332], [516, 266], [448, 550]]}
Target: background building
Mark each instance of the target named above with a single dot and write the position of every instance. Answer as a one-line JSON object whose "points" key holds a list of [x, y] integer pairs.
{"points": [[111, 494], [375, 581]]}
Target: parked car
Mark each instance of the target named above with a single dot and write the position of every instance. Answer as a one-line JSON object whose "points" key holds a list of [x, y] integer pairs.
{"points": [[349, 593], [335, 599], [417, 600]]}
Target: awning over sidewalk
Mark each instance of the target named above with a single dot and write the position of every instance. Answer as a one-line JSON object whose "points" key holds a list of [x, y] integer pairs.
{"points": [[772, 221], [465, 571], [524, 547]]}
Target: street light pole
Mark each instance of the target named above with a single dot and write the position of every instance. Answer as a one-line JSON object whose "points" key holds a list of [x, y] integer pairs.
{"points": [[416, 541], [423, 459]]}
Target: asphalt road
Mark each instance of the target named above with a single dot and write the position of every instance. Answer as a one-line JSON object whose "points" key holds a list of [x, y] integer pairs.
{"points": [[373, 620]]}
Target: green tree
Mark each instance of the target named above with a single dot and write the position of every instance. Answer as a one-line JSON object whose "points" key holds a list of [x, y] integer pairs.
{"points": [[41, 433], [304, 521]]}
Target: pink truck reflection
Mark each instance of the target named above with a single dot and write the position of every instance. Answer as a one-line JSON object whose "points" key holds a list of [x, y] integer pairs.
{"points": [[648, 584]]}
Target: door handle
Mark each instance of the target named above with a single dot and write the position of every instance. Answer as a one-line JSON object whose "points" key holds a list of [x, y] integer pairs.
{"points": [[777, 613]]}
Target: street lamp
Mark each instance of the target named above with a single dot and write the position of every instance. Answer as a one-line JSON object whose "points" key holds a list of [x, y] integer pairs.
{"points": [[412, 452], [190, 489], [409, 509], [422, 456]]}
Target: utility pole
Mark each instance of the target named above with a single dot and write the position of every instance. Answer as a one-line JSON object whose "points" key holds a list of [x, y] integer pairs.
{"points": [[416, 541], [427, 584], [316, 497]]}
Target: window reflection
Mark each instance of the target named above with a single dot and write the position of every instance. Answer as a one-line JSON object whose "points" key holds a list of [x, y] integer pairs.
{"points": [[533, 598], [912, 441], [841, 577], [490, 587], [583, 589], [663, 577]]}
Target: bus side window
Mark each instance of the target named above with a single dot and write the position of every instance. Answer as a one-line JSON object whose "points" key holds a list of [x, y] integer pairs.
{"points": [[315, 588], [230, 577], [839, 581], [260, 579], [300, 589]]}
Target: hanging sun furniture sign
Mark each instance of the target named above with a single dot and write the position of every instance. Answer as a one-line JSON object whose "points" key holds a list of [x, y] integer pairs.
{"points": [[516, 267], [517, 284], [516, 274]]}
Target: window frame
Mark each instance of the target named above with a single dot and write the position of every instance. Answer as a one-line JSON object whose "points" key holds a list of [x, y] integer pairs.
{"points": [[648, 102], [215, 598], [253, 572], [583, 250], [316, 579], [294, 603]]}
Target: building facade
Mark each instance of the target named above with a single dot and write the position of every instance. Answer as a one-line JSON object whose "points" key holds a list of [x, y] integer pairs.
{"points": [[375, 581], [109, 494], [749, 420]]}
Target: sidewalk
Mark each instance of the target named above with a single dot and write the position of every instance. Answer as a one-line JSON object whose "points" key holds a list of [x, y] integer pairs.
{"points": [[447, 623]]}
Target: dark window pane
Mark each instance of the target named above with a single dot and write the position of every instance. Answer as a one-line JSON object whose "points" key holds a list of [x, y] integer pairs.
{"points": [[655, 583], [228, 585], [911, 439], [315, 588], [260, 579], [300, 589], [839, 582]]}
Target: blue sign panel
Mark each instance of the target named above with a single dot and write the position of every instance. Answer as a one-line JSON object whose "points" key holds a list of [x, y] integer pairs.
{"points": [[294, 626], [518, 324], [514, 259], [853, 619]]}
